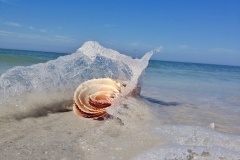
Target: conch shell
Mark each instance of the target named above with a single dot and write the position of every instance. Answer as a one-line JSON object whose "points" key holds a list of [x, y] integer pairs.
{"points": [[92, 97]]}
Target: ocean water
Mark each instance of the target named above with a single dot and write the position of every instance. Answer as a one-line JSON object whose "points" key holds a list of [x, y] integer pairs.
{"points": [[183, 111], [199, 94], [10, 58]]}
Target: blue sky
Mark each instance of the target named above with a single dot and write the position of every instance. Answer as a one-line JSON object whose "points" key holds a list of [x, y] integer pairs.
{"points": [[202, 31]]}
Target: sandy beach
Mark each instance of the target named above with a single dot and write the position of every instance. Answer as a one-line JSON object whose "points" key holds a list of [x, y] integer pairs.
{"points": [[63, 135], [55, 136]]}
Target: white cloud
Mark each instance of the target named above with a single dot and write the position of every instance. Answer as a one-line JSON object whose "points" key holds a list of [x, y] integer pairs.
{"points": [[109, 25], [109, 42], [7, 1], [42, 30], [12, 24], [31, 27], [134, 44], [32, 36], [6, 33], [63, 38], [222, 50], [183, 46]]}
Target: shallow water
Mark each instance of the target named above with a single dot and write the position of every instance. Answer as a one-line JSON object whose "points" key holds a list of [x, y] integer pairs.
{"points": [[184, 111], [200, 94]]}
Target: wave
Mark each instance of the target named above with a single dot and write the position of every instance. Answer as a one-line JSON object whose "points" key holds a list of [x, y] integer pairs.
{"points": [[50, 85]]}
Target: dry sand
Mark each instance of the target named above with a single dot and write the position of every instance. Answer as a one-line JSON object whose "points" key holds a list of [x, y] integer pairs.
{"points": [[63, 135], [55, 136]]}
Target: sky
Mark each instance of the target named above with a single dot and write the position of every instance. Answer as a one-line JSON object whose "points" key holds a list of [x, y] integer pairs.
{"points": [[199, 31]]}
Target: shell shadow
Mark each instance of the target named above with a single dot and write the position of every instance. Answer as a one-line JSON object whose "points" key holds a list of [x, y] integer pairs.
{"points": [[43, 111], [160, 102]]}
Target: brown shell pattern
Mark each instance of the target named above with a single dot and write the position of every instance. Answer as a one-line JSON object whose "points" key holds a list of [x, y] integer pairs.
{"points": [[92, 97]]}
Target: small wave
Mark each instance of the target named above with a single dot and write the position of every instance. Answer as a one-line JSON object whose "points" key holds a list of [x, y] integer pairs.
{"points": [[23, 89]]}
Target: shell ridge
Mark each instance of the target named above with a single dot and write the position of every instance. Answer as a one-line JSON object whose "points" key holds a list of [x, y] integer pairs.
{"points": [[92, 97]]}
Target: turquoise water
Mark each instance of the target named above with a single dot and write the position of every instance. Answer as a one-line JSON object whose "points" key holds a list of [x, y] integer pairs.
{"points": [[10, 58], [185, 99]]}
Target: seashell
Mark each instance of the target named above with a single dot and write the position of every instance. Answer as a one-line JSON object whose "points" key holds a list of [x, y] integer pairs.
{"points": [[92, 97]]}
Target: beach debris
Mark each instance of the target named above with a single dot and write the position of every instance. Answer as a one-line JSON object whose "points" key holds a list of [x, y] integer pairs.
{"points": [[92, 97], [212, 126]]}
